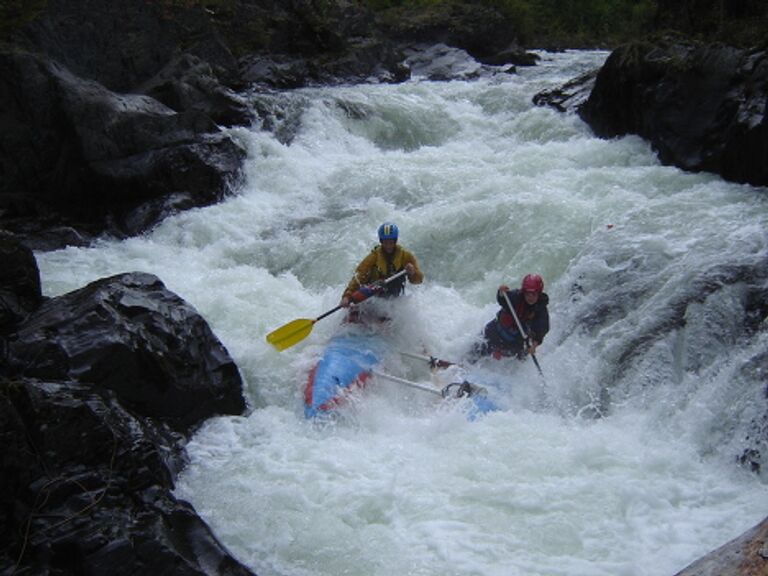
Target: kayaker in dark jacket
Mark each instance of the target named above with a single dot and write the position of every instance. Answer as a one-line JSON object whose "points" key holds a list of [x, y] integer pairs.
{"points": [[501, 336]]}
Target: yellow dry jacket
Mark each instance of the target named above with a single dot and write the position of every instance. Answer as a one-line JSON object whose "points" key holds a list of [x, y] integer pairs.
{"points": [[379, 266]]}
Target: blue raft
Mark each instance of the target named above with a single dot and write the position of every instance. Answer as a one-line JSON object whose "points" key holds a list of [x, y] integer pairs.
{"points": [[347, 363]]}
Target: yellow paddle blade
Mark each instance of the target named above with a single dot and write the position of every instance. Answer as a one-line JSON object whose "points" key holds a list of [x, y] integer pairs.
{"points": [[291, 333]]}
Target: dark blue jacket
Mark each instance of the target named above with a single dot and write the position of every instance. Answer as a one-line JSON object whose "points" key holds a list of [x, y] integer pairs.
{"points": [[535, 319]]}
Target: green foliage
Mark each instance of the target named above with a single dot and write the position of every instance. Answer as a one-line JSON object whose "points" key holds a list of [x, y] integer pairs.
{"points": [[589, 22], [572, 23], [737, 22], [519, 12], [599, 23], [14, 14], [608, 23], [377, 5]]}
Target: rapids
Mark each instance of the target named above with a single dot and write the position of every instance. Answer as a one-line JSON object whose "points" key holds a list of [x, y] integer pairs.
{"points": [[621, 461]]}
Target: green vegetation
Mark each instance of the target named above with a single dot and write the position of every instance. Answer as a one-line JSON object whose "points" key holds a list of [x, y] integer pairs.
{"points": [[570, 23], [14, 14], [738, 22], [255, 24], [584, 23], [576, 23]]}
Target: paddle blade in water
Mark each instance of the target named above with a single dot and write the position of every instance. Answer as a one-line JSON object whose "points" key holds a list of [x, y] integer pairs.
{"points": [[290, 334]]}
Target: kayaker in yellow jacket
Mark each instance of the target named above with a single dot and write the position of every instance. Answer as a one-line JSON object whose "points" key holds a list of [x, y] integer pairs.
{"points": [[384, 260]]}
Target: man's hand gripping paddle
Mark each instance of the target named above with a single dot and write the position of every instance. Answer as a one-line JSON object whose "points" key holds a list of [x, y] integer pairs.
{"points": [[295, 331], [526, 339]]}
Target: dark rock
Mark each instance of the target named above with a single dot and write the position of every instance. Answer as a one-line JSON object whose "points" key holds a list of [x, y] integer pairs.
{"points": [[703, 108], [365, 60], [278, 71], [512, 54], [288, 45], [87, 489], [20, 291], [122, 49], [131, 335], [482, 31], [189, 83], [109, 120], [439, 62], [99, 110], [746, 555], [101, 160], [152, 185], [99, 390], [569, 97], [47, 233]]}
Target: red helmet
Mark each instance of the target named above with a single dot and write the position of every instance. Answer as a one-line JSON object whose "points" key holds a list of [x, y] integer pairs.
{"points": [[532, 283]]}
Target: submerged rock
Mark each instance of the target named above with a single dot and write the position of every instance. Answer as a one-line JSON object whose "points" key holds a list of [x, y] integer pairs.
{"points": [[570, 96]]}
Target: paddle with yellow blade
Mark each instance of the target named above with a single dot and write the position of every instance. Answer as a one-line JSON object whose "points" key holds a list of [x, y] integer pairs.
{"points": [[296, 330]]}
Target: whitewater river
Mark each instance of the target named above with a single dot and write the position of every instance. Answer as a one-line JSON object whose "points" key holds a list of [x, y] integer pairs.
{"points": [[622, 461]]}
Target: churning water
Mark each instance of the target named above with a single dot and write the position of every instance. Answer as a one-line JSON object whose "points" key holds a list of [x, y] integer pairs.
{"points": [[623, 461]]}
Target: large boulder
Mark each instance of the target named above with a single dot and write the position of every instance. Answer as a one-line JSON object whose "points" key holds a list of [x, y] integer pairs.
{"points": [[703, 108], [99, 390], [303, 43], [110, 119], [20, 291], [87, 488], [364, 60], [121, 48], [189, 83], [131, 335], [77, 153], [482, 31], [570, 96]]}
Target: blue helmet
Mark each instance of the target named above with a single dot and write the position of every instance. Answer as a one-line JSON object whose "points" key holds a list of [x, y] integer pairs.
{"points": [[387, 231]]}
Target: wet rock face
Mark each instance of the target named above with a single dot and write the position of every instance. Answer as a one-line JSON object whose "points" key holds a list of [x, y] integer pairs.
{"points": [[81, 155], [122, 48], [570, 96], [746, 555], [703, 108], [99, 390], [131, 335], [20, 291], [480, 30], [86, 489], [111, 119]]}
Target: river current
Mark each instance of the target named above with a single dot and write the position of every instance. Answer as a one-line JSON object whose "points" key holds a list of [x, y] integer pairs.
{"points": [[621, 461]]}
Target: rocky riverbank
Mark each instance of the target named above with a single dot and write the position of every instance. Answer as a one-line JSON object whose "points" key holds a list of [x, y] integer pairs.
{"points": [[111, 121], [99, 391]]}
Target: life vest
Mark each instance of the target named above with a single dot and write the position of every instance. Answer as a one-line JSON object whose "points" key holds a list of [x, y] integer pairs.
{"points": [[385, 267], [507, 327], [505, 322]]}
